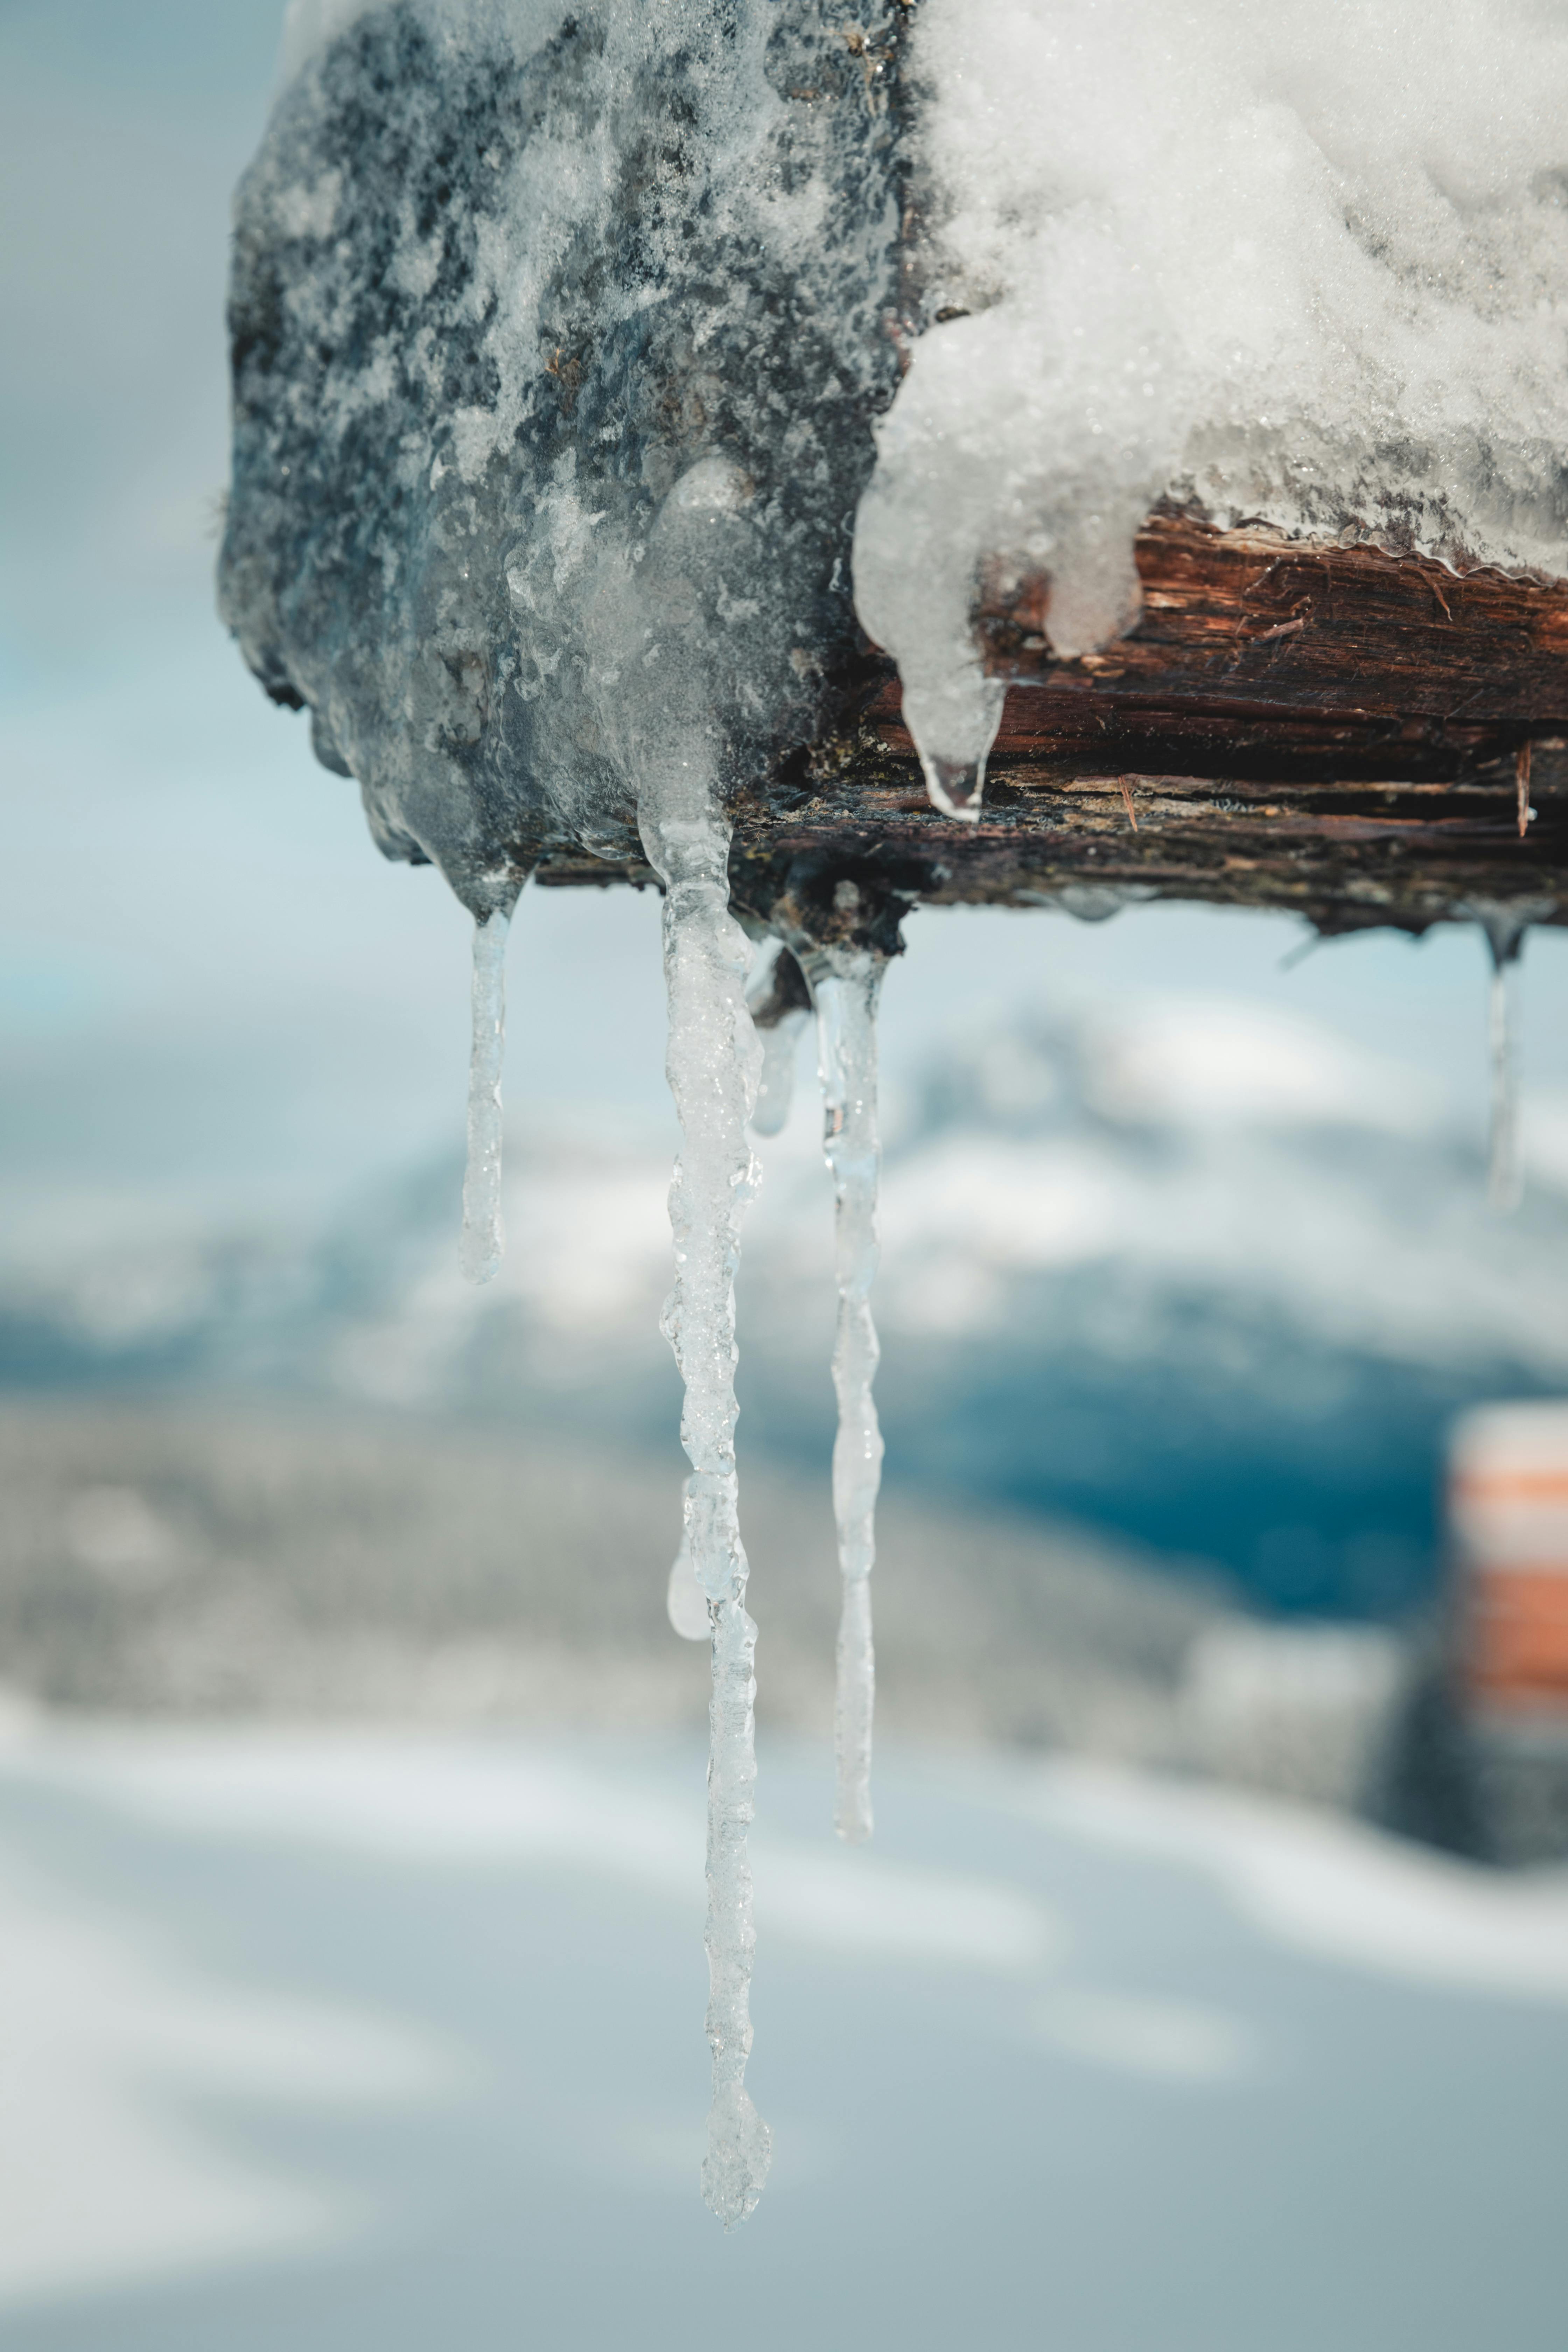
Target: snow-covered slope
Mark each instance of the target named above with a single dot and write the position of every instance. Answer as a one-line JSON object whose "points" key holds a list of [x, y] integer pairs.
{"points": [[1198, 1269]]}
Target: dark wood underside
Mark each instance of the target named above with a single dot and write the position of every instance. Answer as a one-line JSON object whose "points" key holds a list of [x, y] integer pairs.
{"points": [[1331, 730]]}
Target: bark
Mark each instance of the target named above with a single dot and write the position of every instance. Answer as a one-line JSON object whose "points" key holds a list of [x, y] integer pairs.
{"points": [[1333, 730]]}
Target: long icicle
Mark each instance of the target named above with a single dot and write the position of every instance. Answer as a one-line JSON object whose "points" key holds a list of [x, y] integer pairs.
{"points": [[846, 985], [483, 1239], [712, 1064]]}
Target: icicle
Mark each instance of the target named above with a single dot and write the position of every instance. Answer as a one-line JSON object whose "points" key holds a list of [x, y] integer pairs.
{"points": [[1505, 928], [953, 724], [846, 983], [713, 1066], [776, 1090], [780, 1007], [484, 1240], [1504, 1187]]}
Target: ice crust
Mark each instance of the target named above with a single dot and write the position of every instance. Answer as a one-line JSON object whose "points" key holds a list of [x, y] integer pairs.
{"points": [[557, 338], [1306, 263]]}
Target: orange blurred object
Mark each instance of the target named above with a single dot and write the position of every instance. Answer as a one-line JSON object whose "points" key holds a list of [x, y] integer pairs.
{"points": [[1508, 1511]]}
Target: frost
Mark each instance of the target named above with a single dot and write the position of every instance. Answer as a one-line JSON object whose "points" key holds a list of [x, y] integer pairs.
{"points": [[846, 983], [1306, 263]]}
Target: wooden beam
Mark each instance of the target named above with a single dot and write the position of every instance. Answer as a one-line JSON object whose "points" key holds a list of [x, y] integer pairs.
{"points": [[1323, 727]]}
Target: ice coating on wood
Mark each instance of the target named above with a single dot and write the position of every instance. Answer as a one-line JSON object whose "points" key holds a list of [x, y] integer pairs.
{"points": [[685, 1602], [712, 1063], [557, 335], [1307, 263], [846, 984], [483, 1238]]}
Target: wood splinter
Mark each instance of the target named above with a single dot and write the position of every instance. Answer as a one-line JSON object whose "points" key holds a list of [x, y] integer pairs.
{"points": [[1521, 787]]}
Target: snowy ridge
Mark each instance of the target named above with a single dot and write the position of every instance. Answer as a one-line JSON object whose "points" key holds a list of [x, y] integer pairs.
{"points": [[1256, 1237]]}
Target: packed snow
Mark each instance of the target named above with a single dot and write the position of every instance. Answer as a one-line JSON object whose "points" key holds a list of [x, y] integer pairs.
{"points": [[1307, 264]]}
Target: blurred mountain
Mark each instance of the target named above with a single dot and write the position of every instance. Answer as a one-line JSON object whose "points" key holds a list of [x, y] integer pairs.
{"points": [[1199, 1272]]}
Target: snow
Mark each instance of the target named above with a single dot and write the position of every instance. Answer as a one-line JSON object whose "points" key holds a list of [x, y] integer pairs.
{"points": [[1336, 1890], [111, 2035], [1306, 264]]}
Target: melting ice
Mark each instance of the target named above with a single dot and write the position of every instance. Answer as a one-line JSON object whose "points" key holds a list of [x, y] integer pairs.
{"points": [[484, 1238], [712, 1063], [846, 983]]}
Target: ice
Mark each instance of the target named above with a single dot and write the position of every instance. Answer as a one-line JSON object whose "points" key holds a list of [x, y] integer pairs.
{"points": [[713, 1063], [556, 336], [1306, 263], [1505, 935], [685, 1603], [781, 1007], [846, 982], [1503, 1180], [484, 1239], [776, 1088], [1505, 930]]}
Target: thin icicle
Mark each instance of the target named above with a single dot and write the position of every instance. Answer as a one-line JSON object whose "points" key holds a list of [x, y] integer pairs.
{"points": [[1506, 928], [776, 1091], [713, 1066], [484, 1239], [1504, 1183], [781, 1007], [846, 984]]}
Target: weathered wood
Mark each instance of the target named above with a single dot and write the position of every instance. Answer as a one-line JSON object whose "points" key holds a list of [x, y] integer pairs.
{"points": [[1332, 730]]}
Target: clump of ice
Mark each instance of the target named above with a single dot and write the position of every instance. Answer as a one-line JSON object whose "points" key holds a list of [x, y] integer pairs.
{"points": [[1307, 263]]}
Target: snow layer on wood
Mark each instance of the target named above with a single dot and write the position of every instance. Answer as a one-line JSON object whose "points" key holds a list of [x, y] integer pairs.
{"points": [[1307, 263], [556, 341]]}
